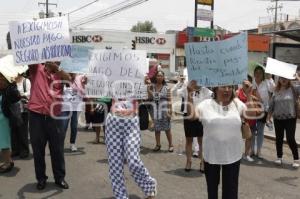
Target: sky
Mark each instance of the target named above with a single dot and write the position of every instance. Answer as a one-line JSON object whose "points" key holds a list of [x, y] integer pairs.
{"points": [[233, 15]]}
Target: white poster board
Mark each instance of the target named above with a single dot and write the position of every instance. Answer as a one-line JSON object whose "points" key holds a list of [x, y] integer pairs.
{"points": [[41, 40], [117, 74], [280, 68]]}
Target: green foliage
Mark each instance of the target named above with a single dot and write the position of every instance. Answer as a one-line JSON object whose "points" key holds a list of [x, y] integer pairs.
{"points": [[146, 26]]}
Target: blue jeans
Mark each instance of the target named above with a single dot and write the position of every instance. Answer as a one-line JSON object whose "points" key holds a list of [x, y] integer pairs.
{"points": [[260, 127], [74, 122]]}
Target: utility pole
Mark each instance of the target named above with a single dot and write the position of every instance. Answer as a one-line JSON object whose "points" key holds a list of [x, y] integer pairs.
{"points": [[212, 9], [276, 12], [47, 6], [196, 8]]}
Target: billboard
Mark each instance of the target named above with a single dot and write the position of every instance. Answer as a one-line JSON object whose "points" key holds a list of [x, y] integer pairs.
{"points": [[205, 2]]}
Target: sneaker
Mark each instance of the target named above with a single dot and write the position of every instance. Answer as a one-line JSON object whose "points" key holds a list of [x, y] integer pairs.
{"points": [[248, 158], [195, 154], [154, 192], [73, 148], [296, 164], [278, 161]]}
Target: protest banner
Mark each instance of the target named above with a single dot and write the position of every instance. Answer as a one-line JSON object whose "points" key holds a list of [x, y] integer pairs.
{"points": [[218, 63], [280, 68], [78, 61], [117, 74], [41, 40]]}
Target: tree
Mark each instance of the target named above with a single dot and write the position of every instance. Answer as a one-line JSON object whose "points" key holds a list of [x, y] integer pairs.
{"points": [[146, 26]]}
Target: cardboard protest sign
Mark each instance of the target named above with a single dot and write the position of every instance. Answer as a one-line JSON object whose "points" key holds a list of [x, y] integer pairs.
{"points": [[41, 40], [280, 68], [78, 61], [117, 74], [218, 63]]}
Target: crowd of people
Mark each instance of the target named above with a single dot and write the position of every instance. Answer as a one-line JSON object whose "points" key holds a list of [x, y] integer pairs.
{"points": [[46, 99]]}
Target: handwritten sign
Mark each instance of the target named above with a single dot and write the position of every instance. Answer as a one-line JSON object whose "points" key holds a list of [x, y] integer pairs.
{"points": [[280, 68], [117, 74], [38, 41], [78, 61], [218, 63]]}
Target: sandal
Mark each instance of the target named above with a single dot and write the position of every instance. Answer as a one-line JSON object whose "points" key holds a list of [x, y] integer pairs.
{"points": [[188, 166], [6, 167], [171, 149], [157, 148]]}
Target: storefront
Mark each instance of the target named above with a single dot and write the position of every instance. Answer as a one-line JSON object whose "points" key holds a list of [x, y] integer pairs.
{"points": [[159, 46]]}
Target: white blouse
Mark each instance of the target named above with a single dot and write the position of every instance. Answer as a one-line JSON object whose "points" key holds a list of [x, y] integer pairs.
{"points": [[222, 137], [264, 88]]}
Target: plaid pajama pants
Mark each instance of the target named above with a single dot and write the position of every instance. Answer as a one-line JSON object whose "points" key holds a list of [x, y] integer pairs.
{"points": [[123, 143]]}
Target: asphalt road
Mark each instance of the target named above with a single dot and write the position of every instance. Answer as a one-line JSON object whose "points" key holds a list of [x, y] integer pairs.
{"points": [[87, 173]]}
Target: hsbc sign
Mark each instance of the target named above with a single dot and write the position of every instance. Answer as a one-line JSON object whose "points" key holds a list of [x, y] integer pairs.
{"points": [[150, 40], [87, 39]]}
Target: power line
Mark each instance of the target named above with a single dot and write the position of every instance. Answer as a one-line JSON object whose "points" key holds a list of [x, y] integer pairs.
{"points": [[110, 11], [84, 6]]}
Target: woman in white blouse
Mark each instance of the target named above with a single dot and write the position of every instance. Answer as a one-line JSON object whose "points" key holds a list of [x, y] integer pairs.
{"points": [[263, 88], [222, 138]]}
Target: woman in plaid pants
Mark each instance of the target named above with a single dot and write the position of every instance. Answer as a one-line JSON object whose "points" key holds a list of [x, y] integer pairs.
{"points": [[123, 145]]}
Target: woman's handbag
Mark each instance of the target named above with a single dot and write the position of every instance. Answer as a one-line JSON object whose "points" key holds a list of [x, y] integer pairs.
{"points": [[144, 117], [245, 128], [246, 131], [297, 102]]}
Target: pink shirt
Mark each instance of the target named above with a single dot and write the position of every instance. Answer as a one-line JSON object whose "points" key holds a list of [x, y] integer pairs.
{"points": [[46, 91], [79, 85]]}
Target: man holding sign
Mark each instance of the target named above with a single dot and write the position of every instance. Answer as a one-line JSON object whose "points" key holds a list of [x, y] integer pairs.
{"points": [[45, 126]]}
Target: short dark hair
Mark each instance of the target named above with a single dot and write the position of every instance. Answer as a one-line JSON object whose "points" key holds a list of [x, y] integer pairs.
{"points": [[215, 93], [257, 68], [154, 79]]}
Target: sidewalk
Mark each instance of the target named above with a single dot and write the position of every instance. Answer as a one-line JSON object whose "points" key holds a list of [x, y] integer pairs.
{"points": [[271, 134]]}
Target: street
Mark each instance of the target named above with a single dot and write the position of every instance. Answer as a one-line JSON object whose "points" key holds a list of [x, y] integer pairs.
{"points": [[87, 173]]}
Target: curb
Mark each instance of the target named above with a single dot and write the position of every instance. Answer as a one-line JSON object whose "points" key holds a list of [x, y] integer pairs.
{"points": [[272, 137]]}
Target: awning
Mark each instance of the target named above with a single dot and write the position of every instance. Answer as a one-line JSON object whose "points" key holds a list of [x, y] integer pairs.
{"points": [[293, 34]]}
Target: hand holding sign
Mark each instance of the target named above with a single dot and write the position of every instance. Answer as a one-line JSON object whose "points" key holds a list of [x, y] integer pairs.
{"points": [[38, 41], [280, 68], [218, 63]]}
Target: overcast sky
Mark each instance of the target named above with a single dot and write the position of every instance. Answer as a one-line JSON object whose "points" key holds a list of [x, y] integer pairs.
{"points": [[233, 15]]}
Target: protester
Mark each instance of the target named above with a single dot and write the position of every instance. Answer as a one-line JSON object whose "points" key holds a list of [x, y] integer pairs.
{"points": [[20, 139], [44, 123], [283, 109], [161, 112], [8, 95], [241, 94], [123, 145], [182, 83], [222, 138], [263, 89], [72, 106], [88, 113], [101, 107], [193, 128]]}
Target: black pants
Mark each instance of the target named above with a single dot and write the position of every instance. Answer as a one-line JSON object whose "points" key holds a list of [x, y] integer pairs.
{"points": [[45, 129], [289, 126], [19, 136], [230, 180]]}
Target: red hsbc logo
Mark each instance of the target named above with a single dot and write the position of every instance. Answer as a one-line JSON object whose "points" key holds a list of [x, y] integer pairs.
{"points": [[96, 38], [161, 41]]}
